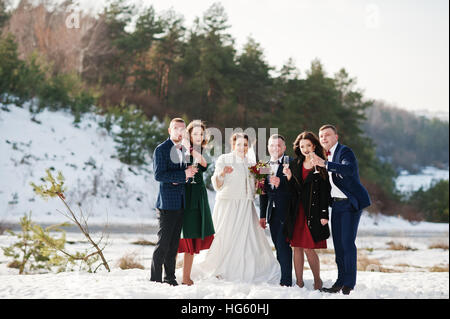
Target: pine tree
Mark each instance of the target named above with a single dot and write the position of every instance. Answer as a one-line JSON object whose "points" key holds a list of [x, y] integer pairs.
{"points": [[4, 15]]}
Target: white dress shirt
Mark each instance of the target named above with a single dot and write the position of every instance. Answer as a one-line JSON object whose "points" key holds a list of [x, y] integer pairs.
{"points": [[179, 153], [335, 191], [274, 168]]}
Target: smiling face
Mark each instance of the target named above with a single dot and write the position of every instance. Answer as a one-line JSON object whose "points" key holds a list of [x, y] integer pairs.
{"points": [[276, 148], [328, 138], [306, 147], [241, 147]]}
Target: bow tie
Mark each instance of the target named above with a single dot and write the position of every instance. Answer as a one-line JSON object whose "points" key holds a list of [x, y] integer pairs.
{"points": [[179, 147], [274, 163], [328, 153]]}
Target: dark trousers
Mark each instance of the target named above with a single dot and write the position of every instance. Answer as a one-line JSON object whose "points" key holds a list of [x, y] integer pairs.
{"points": [[284, 251], [170, 223], [344, 227]]}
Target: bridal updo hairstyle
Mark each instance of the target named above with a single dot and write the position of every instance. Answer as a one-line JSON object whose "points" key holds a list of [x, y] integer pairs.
{"points": [[235, 136]]}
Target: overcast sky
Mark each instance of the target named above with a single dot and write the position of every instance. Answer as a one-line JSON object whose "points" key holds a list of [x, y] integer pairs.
{"points": [[398, 50]]}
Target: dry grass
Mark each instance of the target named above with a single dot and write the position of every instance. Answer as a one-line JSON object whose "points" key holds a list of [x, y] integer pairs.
{"points": [[439, 268], [371, 264], [399, 246], [129, 262], [144, 242], [439, 246]]}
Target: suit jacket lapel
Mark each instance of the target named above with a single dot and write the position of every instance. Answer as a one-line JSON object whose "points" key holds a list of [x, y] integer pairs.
{"points": [[336, 160], [280, 170], [336, 152]]}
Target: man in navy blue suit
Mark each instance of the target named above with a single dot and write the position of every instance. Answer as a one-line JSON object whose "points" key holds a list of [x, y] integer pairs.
{"points": [[273, 205], [349, 199], [172, 172]]}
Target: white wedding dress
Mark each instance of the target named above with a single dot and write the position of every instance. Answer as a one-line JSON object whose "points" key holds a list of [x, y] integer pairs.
{"points": [[240, 250]]}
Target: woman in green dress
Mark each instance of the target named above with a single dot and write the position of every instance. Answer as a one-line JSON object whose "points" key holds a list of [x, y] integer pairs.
{"points": [[198, 229]]}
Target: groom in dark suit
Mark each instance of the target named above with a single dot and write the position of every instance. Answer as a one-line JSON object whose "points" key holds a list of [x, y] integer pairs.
{"points": [[172, 172], [349, 199], [273, 205]]}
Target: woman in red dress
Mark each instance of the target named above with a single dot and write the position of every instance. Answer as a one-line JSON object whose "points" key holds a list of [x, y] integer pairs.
{"points": [[306, 224]]}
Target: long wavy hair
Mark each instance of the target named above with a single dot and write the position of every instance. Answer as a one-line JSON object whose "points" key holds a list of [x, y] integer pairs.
{"points": [[319, 150], [190, 128]]}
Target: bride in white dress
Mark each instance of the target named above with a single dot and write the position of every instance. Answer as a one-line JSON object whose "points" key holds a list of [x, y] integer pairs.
{"points": [[240, 250]]}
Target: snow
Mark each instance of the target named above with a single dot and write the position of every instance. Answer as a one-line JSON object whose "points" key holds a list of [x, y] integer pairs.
{"points": [[409, 183], [125, 197]]}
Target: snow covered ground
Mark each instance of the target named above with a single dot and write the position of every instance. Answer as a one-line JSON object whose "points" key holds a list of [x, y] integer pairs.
{"points": [[383, 273], [125, 196], [410, 183]]}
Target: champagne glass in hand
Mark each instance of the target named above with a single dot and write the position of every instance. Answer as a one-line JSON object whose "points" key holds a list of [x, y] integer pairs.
{"points": [[195, 165], [272, 174], [315, 167], [285, 162]]}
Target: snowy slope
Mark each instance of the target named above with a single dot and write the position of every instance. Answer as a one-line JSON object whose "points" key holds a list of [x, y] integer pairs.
{"points": [[105, 187]]}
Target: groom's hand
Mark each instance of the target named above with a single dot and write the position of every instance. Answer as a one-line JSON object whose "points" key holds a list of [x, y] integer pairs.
{"points": [[262, 223], [275, 181], [317, 161]]}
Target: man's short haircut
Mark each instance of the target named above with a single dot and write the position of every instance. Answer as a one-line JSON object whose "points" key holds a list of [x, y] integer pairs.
{"points": [[324, 127], [274, 136], [176, 120]]}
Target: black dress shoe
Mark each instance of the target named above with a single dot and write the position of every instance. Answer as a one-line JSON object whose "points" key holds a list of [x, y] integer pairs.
{"points": [[334, 289], [171, 282], [346, 290]]}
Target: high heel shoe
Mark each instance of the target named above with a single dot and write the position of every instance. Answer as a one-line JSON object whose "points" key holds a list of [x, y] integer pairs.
{"points": [[301, 284]]}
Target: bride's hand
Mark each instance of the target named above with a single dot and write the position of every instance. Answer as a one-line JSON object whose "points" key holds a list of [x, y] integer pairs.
{"points": [[227, 170]]}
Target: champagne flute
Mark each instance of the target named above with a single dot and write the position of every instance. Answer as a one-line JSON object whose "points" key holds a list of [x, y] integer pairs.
{"points": [[285, 162], [272, 174], [195, 165], [315, 167]]}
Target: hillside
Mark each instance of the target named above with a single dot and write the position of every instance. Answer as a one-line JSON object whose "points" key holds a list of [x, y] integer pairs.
{"points": [[407, 140], [100, 183]]}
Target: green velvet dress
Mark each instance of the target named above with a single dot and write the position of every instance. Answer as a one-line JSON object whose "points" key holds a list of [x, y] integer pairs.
{"points": [[198, 228]]}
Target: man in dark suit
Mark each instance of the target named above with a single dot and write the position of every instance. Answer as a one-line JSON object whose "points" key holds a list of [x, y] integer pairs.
{"points": [[172, 172], [349, 199], [273, 204]]}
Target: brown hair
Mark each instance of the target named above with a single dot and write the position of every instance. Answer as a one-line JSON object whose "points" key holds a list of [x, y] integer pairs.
{"points": [[190, 128], [318, 150], [324, 127], [235, 136]]}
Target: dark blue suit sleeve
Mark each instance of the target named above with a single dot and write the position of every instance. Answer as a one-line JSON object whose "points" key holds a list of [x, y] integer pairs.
{"points": [[162, 173], [347, 165]]}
